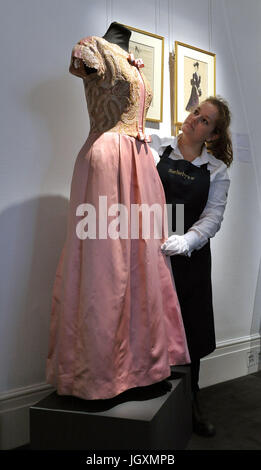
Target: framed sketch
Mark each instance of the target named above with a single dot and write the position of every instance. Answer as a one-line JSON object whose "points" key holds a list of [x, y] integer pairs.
{"points": [[194, 80], [150, 48]]}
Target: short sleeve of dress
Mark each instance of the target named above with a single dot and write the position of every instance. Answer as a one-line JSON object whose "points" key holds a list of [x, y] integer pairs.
{"points": [[86, 52]]}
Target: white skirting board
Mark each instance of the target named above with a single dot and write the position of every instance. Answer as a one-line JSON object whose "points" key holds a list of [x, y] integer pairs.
{"points": [[14, 414], [232, 359]]}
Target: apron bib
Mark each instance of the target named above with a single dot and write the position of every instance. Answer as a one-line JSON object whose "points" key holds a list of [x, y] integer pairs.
{"points": [[185, 183]]}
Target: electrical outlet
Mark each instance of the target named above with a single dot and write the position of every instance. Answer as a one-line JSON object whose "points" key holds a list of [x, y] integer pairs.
{"points": [[254, 359], [259, 358], [251, 359]]}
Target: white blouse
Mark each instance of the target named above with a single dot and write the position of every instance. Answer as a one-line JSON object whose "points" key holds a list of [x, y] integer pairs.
{"points": [[210, 219]]}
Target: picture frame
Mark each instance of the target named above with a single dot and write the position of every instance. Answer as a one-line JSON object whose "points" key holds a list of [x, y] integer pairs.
{"points": [[194, 80], [150, 48]]}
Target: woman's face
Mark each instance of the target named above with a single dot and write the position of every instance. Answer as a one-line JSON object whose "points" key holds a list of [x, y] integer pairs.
{"points": [[200, 123]]}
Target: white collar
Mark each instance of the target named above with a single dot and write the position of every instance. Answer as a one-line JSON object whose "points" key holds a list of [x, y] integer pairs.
{"points": [[203, 158]]}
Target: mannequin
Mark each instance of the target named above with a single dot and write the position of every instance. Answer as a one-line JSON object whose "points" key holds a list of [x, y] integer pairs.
{"points": [[116, 34], [116, 323]]}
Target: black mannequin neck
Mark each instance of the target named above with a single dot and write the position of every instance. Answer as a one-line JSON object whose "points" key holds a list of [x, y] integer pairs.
{"points": [[118, 34]]}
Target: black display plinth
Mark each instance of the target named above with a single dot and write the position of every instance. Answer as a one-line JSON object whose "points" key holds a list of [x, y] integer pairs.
{"points": [[143, 418]]}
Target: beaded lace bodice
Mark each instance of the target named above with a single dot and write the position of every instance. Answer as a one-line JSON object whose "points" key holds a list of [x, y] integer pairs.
{"points": [[115, 90]]}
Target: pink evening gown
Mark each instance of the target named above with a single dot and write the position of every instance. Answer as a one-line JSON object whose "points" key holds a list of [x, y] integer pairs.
{"points": [[115, 321]]}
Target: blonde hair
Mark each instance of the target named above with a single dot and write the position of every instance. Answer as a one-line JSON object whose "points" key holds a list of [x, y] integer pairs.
{"points": [[221, 147]]}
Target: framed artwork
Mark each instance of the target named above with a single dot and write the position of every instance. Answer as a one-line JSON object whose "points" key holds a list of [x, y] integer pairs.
{"points": [[150, 48], [194, 80]]}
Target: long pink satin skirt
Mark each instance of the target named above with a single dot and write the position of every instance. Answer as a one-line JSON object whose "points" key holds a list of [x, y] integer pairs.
{"points": [[115, 321]]}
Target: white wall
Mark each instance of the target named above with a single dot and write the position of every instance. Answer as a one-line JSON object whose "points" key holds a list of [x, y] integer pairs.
{"points": [[44, 122]]}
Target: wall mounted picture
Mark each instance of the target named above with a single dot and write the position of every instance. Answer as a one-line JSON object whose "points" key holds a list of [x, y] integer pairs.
{"points": [[194, 79], [150, 48]]}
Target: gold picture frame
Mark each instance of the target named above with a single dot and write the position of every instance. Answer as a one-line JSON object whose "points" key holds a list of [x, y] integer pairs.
{"points": [[150, 48], [194, 80]]}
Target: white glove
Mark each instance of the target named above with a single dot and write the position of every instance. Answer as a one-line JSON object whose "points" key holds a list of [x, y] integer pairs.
{"points": [[176, 245]]}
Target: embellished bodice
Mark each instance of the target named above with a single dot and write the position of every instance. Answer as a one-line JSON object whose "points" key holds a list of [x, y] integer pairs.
{"points": [[118, 94]]}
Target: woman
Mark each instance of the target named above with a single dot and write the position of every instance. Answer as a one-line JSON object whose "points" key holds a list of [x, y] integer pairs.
{"points": [[193, 170]]}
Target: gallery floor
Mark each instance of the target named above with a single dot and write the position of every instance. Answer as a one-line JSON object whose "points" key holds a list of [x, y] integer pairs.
{"points": [[235, 409]]}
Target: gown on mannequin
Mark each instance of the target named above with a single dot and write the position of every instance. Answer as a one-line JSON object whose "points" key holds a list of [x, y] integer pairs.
{"points": [[115, 320]]}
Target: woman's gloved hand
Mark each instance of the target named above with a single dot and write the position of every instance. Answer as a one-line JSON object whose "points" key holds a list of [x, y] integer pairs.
{"points": [[176, 245]]}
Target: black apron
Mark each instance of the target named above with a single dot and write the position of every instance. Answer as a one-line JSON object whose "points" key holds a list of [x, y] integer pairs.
{"points": [[185, 183]]}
